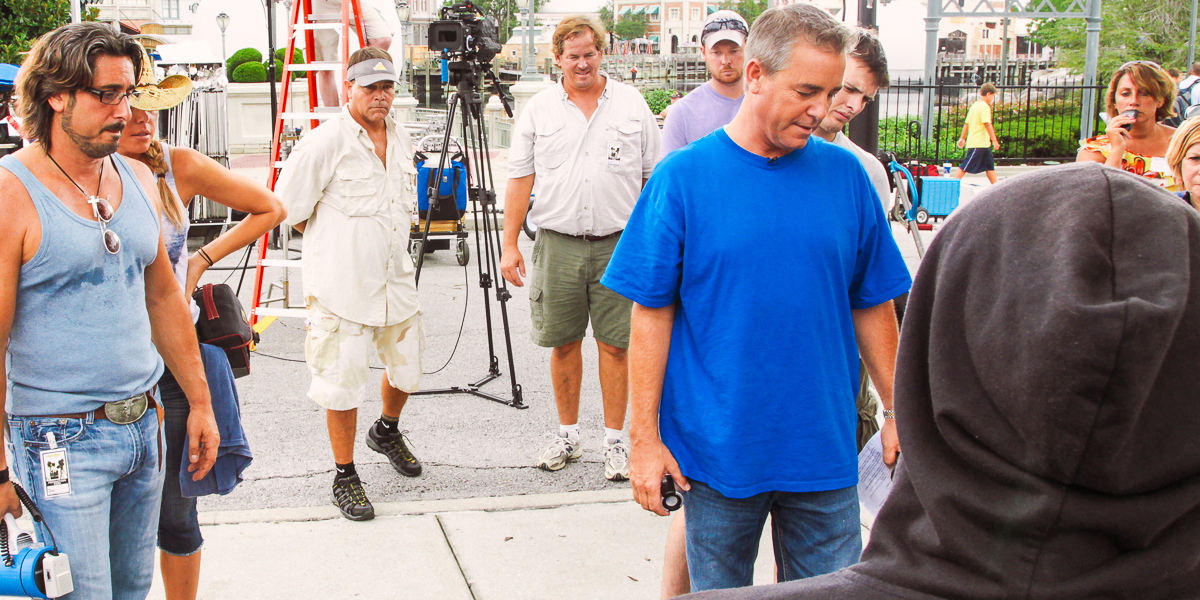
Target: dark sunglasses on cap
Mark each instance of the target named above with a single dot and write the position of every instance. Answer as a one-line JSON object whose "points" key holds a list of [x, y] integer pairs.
{"points": [[726, 23]]}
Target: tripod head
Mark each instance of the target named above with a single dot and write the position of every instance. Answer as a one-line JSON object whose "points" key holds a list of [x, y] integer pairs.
{"points": [[471, 77]]}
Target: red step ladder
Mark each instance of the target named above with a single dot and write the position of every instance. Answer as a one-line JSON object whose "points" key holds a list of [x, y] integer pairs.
{"points": [[302, 21]]}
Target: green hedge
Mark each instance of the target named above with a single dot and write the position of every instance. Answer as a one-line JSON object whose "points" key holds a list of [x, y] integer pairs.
{"points": [[1053, 132], [241, 57], [250, 72], [297, 55], [279, 70], [657, 99]]}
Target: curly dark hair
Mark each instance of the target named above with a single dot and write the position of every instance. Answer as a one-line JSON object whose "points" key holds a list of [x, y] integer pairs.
{"points": [[65, 60]]}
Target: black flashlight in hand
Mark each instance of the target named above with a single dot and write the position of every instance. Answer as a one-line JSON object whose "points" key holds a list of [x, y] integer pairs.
{"points": [[672, 500]]}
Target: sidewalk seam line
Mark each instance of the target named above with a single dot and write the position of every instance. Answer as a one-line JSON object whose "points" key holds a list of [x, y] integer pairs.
{"points": [[457, 563]]}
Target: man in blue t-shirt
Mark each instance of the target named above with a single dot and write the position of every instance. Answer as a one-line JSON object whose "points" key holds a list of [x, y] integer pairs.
{"points": [[750, 315], [716, 101]]}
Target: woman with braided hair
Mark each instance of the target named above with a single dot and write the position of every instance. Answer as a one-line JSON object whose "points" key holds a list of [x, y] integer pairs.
{"points": [[183, 174]]}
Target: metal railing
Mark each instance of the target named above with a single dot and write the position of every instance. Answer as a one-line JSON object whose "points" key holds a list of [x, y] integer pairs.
{"points": [[433, 122], [1038, 122]]}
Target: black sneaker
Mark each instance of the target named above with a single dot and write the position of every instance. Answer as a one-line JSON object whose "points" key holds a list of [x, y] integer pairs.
{"points": [[350, 498], [396, 452]]}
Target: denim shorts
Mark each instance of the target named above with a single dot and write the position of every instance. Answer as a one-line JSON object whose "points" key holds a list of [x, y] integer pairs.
{"points": [[106, 524], [813, 533], [565, 292]]}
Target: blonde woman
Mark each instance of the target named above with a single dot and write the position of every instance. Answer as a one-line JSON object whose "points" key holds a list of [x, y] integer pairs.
{"points": [[182, 174], [1183, 155]]}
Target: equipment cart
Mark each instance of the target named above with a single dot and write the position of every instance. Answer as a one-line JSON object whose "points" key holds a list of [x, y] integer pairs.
{"points": [[450, 205], [938, 198]]}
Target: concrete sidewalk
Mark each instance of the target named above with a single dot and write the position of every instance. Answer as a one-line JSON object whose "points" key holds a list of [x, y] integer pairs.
{"points": [[578, 545]]}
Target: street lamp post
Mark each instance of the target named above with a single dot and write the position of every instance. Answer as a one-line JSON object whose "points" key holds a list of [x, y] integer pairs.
{"points": [[223, 22], [403, 11], [531, 71]]}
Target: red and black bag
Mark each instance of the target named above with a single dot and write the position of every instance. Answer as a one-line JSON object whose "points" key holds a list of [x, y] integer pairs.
{"points": [[223, 324]]}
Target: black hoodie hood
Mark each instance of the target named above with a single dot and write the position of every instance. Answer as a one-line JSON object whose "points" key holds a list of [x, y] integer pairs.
{"points": [[1048, 403]]}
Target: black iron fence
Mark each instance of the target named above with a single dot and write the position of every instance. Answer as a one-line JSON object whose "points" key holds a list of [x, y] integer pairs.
{"points": [[1035, 123]]}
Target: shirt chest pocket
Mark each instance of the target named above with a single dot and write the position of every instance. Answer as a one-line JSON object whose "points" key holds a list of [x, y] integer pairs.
{"points": [[623, 148], [550, 148], [355, 189], [404, 180]]}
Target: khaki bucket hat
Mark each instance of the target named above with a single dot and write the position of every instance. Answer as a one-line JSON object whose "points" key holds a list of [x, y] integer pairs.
{"points": [[159, 95]]}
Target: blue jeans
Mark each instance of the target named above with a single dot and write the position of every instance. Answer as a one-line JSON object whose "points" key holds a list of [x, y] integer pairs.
{"points": [[106, 524], [813, 533]]}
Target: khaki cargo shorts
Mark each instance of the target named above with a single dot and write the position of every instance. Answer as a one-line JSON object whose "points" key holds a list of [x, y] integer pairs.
{"points": [[327, 40], [338, 354], [565, 292]]}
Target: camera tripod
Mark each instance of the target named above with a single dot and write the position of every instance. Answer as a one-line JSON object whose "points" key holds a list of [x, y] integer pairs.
{"points": [[468, 77]]}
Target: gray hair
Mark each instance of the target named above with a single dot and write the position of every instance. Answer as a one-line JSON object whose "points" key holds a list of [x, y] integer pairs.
{"points": [[774, 33]]}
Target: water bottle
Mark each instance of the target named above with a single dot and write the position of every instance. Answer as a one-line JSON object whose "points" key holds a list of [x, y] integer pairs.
{"points": [[946, 169]]}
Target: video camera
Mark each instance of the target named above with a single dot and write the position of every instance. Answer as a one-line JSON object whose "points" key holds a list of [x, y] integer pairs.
{"points": [[464, 35]]}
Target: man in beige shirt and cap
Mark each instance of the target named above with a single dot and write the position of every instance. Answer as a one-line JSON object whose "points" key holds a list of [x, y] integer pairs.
{"points": [[349, 187]]}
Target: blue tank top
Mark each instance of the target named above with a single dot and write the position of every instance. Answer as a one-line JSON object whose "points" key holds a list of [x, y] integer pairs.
{"points": [[81, 332]]}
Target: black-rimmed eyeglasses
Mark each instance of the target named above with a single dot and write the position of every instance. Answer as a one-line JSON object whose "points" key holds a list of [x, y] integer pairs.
{"points": [[114, 97]]}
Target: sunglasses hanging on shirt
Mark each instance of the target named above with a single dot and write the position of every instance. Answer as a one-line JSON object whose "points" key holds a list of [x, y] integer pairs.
{"points": [[101, 209]]}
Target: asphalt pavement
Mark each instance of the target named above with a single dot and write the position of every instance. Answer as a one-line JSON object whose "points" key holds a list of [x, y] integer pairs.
{"points": [[481, 521]]}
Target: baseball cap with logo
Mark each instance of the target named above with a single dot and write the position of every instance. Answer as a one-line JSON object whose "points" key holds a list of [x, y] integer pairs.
{"points": [[371, 71], [724, 25]]}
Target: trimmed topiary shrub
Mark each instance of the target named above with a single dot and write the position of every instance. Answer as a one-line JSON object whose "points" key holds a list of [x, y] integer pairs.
{"points": [[657, 99], [250, 72], [241, 57], [297, 55], [279, 70]]}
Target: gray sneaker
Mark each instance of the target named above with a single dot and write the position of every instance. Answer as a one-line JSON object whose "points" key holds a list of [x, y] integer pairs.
{"points": [[616, 462], [560, 452]]}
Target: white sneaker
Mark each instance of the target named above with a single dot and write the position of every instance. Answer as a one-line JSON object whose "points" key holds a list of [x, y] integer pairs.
{"points": [[561, 451], [616, 461]]}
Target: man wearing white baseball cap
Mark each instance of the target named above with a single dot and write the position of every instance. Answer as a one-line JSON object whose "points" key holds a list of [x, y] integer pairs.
{"points": [[713, 104], [349, 186]]}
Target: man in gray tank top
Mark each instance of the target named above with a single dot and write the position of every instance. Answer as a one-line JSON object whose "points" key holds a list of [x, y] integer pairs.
{"points": [[89, 312]]}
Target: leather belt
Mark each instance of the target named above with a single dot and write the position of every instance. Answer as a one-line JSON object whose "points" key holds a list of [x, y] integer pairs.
{"points": [[592, 238], [121, 412], [125, 412]]}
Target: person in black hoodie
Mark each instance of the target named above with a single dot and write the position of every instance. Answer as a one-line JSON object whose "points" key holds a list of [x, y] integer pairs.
{"points": [[1046, 403]]}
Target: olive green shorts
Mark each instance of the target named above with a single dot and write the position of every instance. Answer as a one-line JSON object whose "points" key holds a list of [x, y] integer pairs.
{"points": [[565, 292]]}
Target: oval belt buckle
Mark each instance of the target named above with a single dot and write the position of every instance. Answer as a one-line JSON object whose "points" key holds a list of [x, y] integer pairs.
{"points": [[124, 412]]}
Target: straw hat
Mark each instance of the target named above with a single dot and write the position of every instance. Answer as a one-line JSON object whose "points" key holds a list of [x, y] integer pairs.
{"points": [[163, 94]]}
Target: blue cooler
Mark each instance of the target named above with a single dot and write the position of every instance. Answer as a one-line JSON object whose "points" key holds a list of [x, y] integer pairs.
{"points": [[939, 196], [454, 181]]}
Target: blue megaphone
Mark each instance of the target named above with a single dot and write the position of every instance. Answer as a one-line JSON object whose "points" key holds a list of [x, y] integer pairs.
{"points": [[29, 569]]}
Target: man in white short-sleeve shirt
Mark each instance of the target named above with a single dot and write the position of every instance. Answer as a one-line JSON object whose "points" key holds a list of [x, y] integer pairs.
{"points": [[866, 73], [349, 187], [584, 147]]}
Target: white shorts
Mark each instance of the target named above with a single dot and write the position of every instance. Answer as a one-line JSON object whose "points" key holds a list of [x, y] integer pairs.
{"points": [[327, 40], [338, 354]]}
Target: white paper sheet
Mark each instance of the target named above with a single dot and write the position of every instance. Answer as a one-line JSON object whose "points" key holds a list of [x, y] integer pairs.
{"points": [[874, 478]]}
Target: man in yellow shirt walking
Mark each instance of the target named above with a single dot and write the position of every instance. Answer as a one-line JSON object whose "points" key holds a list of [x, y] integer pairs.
{"points": [[979, 137]]}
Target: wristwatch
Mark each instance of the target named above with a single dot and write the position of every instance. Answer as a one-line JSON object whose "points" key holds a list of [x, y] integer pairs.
{"points": [[4, 475], [889, 414]]}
